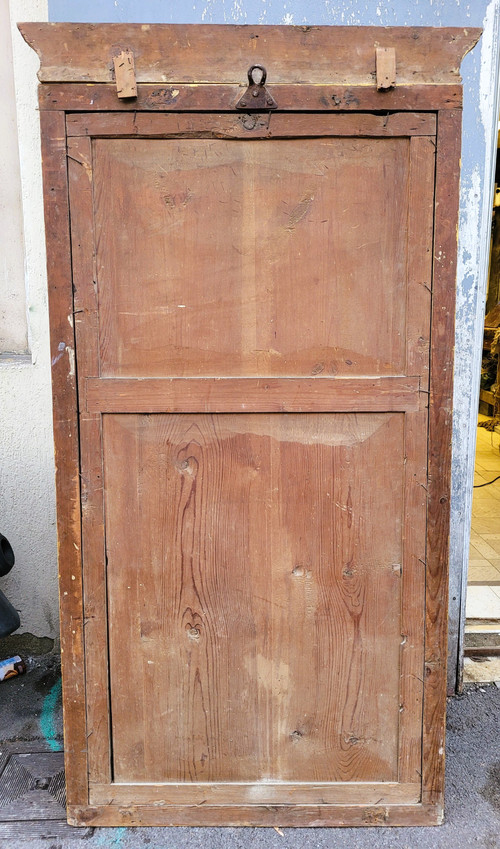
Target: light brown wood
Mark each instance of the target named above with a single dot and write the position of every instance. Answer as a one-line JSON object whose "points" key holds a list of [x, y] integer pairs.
{"points": [[262, 309], [267, 793], [283, 575], [312, 816], [226, 395], [420, 232], [123, 64], [244, 126], [252, 305], [91, 471], [440, 424], [166, 53], [98, 97], [65, 423], [385, 68]]}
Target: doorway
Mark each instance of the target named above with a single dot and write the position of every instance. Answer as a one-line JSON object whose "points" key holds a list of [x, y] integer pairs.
{"points": [[482, 628]]}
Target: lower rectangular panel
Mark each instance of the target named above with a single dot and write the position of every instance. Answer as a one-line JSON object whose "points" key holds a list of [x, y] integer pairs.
{"points": [[254, 591]]}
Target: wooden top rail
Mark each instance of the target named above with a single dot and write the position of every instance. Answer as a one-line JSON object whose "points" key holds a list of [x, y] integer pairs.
{"points": [[168, 53]]}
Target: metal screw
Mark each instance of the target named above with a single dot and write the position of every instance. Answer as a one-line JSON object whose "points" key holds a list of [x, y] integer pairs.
{"points": [[243, 103], [255, 93]]}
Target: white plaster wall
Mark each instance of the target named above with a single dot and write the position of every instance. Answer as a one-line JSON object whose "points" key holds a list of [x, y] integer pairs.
{"points": [[27, 496], [13, 330]]}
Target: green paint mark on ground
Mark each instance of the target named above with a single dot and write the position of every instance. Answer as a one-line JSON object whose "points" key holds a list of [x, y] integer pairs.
{"points": [[47, 717], [110, 837]]}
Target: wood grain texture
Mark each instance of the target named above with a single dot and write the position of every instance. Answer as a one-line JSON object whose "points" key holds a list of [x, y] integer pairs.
{"points": [[245, 126], [385, 68], [253, 317], [419, 272], [101, 97], [266, 793], [440, 424], [253, 595], [412, 595], [126, 85], [222, 54], [311, 816], [65, 424], [91, 471], [262, 308], [257, 395]]}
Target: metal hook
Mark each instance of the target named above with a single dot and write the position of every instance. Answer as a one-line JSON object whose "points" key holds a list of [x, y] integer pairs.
{"points": [[257, 97]]}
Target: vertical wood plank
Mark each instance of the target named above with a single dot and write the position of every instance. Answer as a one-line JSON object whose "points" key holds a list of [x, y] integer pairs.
{"points": [[93, 541], [439, 468], [124, 66], [66, 451], [419, 264], [413, 598], [385, 60], [419, 281]]}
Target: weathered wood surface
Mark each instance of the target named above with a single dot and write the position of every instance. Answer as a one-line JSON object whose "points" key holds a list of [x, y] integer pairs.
{"points": [[273, 125], [267, 793], [257, 395], [312, 816], [265, 573], [242, 223], [385, 68], [256, 653], [126, 85], [222, 54], [91, 471], [96, 97], [65, 423], [440, 424]]}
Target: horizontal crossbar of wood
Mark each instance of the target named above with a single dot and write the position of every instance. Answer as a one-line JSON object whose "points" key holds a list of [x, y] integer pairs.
{"points": [[250, 126], [248, 793], [312, 816], [253, 395], [102, 97]]}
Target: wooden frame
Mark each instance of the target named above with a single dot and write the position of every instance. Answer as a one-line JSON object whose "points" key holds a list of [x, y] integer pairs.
{"points": [[81, 81]]}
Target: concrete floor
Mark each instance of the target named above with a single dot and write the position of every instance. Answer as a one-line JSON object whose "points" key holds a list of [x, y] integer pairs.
{"points": [[30, 711]]}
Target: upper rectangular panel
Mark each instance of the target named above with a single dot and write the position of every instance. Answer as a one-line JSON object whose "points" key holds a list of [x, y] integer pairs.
{"points": [[222, 54], [238, 258]]}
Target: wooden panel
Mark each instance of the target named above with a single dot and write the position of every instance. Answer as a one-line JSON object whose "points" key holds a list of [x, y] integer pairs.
{"points": [[262, 308], [222, 54], [273, 125], [65, 422], [220, 98], [226, 395], [254, 573], [252, 312], [440, 423]]}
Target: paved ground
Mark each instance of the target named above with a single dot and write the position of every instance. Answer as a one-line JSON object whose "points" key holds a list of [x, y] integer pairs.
{"points": [[30, 714]]}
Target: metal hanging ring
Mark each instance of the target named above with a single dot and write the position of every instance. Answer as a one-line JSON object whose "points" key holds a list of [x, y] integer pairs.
{"points": [[262, 80]]}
